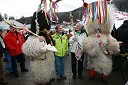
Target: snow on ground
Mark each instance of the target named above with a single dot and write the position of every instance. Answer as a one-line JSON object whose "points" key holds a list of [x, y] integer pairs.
{"points": [[120, 17]]}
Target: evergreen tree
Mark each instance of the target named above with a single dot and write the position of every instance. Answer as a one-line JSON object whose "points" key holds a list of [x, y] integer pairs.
{"points": [[11, 18], [1, 18], [122, 5], [5, 16]]}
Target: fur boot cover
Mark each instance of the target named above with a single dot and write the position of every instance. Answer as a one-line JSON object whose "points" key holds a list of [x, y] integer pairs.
{"points": [[42, 60]]}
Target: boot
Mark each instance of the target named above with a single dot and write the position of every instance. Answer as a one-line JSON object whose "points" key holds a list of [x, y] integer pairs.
{"points": [[104, 79], [3, 82], [24, 70], [63, 77], [16, 74], [58, 77], [80, 76], [92, 74], [74, 76]]}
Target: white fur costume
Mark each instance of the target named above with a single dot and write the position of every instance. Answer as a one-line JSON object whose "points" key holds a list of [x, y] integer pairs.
{"points": [[100, 56], [42, 64], [100, 49]]}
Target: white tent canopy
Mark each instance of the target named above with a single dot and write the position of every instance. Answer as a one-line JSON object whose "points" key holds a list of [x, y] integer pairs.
{"points": [[5, 26]]}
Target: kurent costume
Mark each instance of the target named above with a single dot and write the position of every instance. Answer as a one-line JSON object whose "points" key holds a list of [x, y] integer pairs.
{"points": [[99, 44], [42, 60]]}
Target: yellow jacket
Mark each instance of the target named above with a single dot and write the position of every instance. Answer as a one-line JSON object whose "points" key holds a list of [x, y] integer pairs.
{"points": [[61, 44]]}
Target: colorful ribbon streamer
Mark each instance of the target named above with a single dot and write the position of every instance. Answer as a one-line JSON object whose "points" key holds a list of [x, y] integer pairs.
{"points": [[97, 10]]}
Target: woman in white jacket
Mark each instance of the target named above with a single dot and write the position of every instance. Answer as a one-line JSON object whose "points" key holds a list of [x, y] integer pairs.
{"points": [[77, 37]]}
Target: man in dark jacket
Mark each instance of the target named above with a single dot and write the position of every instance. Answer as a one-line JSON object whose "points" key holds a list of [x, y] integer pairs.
{"points": [[122, 32], [2, 72], [122, 35]]}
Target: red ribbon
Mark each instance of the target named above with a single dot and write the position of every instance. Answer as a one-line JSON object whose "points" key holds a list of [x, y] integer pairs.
{"points": [[41, 0], [108, 0], [85, 5]]}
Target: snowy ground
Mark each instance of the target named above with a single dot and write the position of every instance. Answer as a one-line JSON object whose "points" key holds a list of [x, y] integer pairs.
{"points": [[120, 17]]}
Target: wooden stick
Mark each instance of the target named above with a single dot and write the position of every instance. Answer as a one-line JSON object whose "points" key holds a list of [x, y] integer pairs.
{"points": [[31, 32], [9, 23], [71, 18]]}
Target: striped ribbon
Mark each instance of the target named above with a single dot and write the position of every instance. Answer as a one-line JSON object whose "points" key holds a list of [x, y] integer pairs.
{"points": [[101, 11], [97, 10], [107, 11]]}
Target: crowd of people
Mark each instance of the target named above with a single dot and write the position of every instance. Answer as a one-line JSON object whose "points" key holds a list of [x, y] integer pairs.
{"points": [[11, 49], [11, 42]]}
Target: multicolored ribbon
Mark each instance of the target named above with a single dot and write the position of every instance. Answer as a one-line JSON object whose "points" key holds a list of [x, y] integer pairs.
{"points": [[97, 10], [52, 12], [53, 9]]}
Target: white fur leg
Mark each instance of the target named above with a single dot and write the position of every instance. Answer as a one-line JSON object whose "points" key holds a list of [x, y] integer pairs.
{"points": [[43, 70]]}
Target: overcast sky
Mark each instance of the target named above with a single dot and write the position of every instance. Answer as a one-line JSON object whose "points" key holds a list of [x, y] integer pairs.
{"points": [[17, 8]]}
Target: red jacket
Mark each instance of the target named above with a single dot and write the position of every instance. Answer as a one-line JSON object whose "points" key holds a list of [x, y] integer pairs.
{"points": [[14, 43]]}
